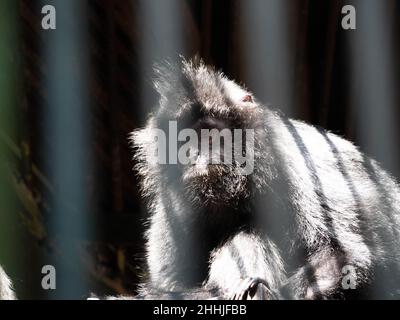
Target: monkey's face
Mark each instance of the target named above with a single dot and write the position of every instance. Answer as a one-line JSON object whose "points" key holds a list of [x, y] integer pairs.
{"points": [[210, 123]]}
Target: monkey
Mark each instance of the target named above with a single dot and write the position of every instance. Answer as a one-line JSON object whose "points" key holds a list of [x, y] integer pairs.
{"points": [[313, 209], [315, 219], [6, 291]]}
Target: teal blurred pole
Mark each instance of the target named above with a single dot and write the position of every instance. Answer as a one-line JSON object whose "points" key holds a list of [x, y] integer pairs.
{"points": [[269, 66], [267, 51], [373, 63], [161, 24], [67, 139]]}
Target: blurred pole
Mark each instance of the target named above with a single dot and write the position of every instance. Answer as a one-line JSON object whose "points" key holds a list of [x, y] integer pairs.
{"points": [[9, 72], [66, 118], [266, 49], [161, 25], [374, 105], [373, 61]]}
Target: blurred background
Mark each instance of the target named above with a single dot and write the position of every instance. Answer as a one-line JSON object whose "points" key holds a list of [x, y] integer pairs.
{"points": [[69, 98]]}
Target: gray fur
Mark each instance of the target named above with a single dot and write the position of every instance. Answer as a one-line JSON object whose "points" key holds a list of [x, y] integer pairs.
{"points": [[313, 204], [6, 292]]}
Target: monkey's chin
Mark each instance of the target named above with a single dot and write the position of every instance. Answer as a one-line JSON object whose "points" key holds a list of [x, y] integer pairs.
{"points": [[214, 185], [197, 170]]}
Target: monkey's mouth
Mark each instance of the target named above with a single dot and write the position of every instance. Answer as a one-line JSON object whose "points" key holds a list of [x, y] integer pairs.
{"points": [[203, 164]]}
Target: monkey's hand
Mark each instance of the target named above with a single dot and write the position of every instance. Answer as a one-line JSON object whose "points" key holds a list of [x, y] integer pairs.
{"points": [[253, 289]]}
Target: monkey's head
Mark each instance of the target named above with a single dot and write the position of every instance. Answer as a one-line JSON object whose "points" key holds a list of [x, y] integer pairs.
{"points": [[203, 138]]}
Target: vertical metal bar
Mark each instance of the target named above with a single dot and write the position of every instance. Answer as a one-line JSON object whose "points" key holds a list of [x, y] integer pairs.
{"points": [[373, 94], [66, 128], [375, 111], [266, 48], [161, 28]]}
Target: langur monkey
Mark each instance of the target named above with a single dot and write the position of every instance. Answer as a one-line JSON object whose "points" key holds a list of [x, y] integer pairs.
{"points": [[315, 219]]}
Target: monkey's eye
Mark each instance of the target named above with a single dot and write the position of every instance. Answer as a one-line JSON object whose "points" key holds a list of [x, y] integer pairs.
{"points": [[247, 98]]}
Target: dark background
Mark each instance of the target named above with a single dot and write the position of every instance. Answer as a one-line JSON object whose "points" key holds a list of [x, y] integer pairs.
{"points": [[121, 96]]}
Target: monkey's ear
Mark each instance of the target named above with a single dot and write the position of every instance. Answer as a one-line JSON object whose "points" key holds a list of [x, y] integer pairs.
{"points": [[247, 98]]}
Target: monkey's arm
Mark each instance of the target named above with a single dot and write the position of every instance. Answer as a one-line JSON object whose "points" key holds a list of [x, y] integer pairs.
{"points": [[247, 266], [320, 278], [249, 262], [155, 294]]}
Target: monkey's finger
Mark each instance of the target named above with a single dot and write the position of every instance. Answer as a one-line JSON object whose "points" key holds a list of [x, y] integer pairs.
{"points": [[241, 290]]}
